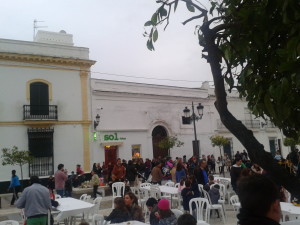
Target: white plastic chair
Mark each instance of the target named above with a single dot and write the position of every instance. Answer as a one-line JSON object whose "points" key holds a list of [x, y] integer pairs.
{"points": [[177, 185], [98, 219], [201, 189], [177, 212], [9, 222], [138, 194], [222, 192], [155, 192], [57, 196], [234, 199], [202, 208], [94, 210], [118, 190], [170, 184], [142, 185], [218, 207], [82, 197]]}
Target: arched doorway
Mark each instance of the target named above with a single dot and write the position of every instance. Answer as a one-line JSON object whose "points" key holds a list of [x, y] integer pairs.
{"points": [[158, 133]]}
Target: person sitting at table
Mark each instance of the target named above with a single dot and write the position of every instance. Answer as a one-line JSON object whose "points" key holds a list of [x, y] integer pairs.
{"points": [[152, 207], [187, 194], [194, 186], [79, 171], [164, 214], [118, 172], [135, 211], [120, 213], [259, 198], [181, 185]]}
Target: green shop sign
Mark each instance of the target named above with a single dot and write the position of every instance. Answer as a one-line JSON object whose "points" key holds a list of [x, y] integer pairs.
{"points": [[113, 137]]}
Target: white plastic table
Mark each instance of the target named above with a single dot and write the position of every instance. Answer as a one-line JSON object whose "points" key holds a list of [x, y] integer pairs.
{"points": [[130, 223], [165, 189], [222, 178], [290, 208], [69, 207]]}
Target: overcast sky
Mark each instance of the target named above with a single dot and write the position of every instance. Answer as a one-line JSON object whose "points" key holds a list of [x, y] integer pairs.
{"points": [[112, 30]]}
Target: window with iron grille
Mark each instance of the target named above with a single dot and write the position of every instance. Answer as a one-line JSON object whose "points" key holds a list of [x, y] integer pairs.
{"points": [[40, 142]]}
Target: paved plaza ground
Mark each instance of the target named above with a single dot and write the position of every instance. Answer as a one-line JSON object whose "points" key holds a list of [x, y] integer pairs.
{"points": [[8, 212], [12, 213]]}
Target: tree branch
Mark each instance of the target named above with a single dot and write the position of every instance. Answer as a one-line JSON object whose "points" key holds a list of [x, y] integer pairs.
{"points": [[193, 18]]}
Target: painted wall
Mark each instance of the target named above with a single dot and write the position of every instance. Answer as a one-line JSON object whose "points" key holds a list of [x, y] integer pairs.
{"points": [[68, 137], [132, 109]]}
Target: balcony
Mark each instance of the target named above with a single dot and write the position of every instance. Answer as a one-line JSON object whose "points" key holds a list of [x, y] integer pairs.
{"points": [[40, 112], [250, 124]]}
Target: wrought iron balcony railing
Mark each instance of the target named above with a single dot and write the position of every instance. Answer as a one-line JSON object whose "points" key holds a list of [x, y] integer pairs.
{"points": [[251, 124], [40, 112]]}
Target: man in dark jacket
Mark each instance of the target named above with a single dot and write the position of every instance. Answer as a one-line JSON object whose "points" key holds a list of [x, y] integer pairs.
{"points": [[259, 197], [235, 173], [200, 173]]}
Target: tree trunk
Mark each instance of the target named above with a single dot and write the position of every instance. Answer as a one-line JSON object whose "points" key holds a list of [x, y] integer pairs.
{"points": [[255, 149], [21, 168]]}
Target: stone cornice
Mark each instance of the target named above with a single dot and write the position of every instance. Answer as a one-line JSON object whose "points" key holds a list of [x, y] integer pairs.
{"points": [[44, 122], [39, 59]]}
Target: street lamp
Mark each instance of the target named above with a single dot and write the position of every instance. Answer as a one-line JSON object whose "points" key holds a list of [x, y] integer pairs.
{"points": [[97, 121], [187, 118]]}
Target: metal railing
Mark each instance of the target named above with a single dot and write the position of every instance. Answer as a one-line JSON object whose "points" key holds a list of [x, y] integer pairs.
{"points": [[40, 112], [41, 166], [251, 124]]}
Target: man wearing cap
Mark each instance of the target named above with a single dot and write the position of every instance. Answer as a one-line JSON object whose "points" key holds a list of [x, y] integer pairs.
{"points": [[165, 215]]}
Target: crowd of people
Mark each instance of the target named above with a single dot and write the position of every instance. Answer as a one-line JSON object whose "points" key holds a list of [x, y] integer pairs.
{"points": [[189, 173]]}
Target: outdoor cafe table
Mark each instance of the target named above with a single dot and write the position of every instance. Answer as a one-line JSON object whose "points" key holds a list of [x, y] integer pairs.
{"points": [[222, 178], [69, 207], [290, 208], [285, 207], [130, 223], [166, 190]]}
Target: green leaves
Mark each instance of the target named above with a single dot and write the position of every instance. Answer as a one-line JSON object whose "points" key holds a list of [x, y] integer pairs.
{"points": [[218, 140], [154, 18], [190, 7], [170, 142], [155, 35], [148, 23], [150, 45], [15, 157]]}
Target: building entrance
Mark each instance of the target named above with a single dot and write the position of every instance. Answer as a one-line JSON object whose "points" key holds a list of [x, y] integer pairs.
{"points": [[111, 154], [158, 134]]}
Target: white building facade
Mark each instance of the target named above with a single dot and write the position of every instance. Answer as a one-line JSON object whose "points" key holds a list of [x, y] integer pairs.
{"points": [[49, 104], [45, 102], [133, 118]]}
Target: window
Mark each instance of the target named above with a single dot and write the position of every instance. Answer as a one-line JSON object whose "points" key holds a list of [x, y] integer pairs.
{"points": [[40, 142], [136, 151]]}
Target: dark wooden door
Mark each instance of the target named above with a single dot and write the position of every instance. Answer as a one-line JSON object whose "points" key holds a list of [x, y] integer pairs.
{"points": [[39, 99], [158, 134], [111, 154]]}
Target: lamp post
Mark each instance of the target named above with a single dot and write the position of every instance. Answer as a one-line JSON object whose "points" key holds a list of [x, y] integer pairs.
{"points": [[97, 121], [187, 118]]}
